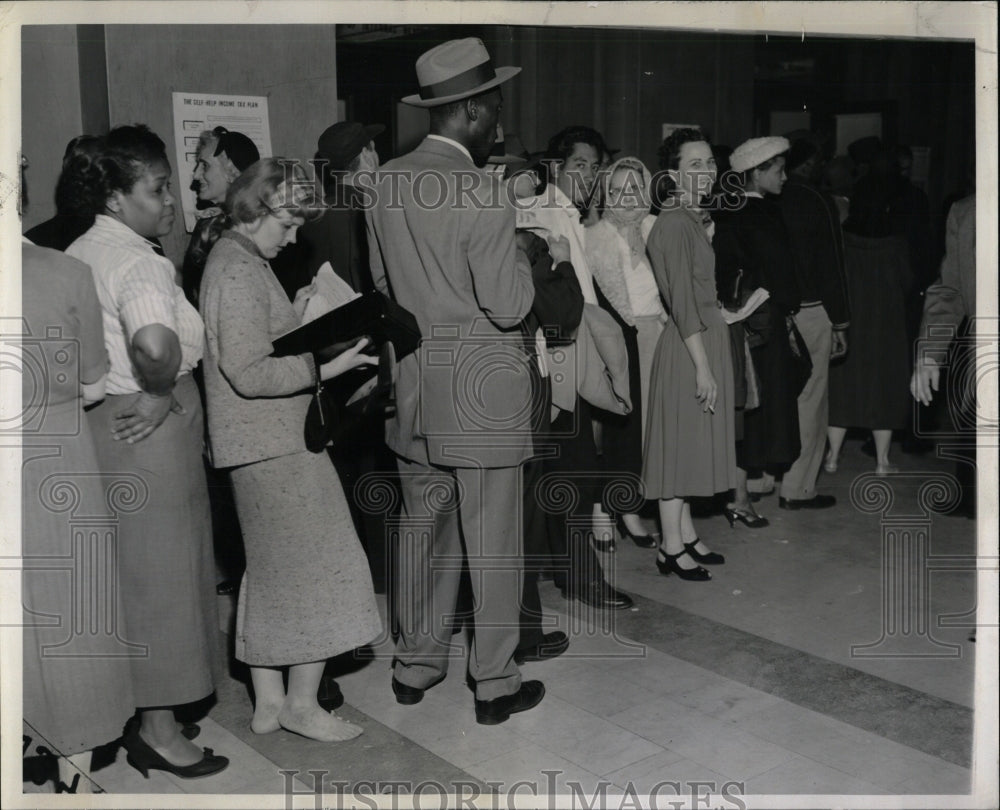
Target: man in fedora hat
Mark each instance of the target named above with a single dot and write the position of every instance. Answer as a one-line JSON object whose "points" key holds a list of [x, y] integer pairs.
{"points": [[441, 238]]}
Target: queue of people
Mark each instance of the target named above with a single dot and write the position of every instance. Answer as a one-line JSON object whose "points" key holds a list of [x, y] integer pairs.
{"points": [[707, 350]]}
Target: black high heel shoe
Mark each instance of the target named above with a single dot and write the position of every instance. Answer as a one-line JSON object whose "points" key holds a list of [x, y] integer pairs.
{"points": [[712, 558], [668, 565], [641, 540], [143, 758], [749, 519]]}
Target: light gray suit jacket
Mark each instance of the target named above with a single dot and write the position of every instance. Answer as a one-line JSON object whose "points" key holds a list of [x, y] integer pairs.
{"points": [[441, 243], [953, 296]]}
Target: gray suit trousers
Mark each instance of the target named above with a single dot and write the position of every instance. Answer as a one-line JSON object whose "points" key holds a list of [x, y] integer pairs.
{"points": [[451, 514]]}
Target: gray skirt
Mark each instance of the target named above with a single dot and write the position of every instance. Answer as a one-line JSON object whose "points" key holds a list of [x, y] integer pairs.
{"points": [[307, 592], [164, 549]]}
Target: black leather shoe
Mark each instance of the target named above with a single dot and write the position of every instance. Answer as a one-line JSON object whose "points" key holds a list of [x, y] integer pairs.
{"points": [[228, 587], [815, 502], [551, 645], [712, 558], [667, 564], [407, 695], [144, 758], [329, 696], [494, 712], [601, 595]]}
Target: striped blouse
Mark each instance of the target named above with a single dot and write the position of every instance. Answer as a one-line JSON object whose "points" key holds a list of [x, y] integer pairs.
{"points": [[136, 288]]}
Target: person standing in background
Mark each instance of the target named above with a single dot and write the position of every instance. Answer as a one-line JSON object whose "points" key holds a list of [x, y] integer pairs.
{"points": [[346, 150], [950, 303], [817, 244], [70, 222], [221, 156]]}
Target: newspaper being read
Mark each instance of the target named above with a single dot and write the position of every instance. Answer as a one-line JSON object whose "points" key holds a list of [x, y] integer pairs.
{"points": [[327, 292]]}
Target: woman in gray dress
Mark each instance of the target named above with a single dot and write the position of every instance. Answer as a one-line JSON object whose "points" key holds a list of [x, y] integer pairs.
{"points": [[690, 447], [307, 592]]}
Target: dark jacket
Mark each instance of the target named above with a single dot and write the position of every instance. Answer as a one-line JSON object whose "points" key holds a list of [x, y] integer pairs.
{"points": [[817, 244], [339, 237]]}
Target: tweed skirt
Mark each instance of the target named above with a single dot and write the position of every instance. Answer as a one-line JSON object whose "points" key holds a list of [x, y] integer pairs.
{"points": [[307, 592]]}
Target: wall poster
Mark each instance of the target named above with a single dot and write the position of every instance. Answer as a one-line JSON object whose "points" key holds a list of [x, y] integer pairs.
{"points": [[196, 112]]}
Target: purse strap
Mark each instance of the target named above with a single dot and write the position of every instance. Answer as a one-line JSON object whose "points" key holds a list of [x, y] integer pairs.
{"points": [[318, 392]]}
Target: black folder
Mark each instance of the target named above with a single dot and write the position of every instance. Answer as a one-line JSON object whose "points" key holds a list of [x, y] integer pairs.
{"points": [[373, 315]]}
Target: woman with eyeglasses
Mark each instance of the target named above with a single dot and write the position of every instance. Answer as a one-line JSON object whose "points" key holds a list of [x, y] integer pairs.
{"points": [[307, 592], [148, 434]]}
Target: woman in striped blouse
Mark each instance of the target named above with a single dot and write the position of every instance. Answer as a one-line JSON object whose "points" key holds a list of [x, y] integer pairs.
{"points": [[149, 434]]}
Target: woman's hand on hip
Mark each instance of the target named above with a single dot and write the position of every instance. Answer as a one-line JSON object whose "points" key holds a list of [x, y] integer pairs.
{"points": [[138, 420], [706, 389], [348, 359]]}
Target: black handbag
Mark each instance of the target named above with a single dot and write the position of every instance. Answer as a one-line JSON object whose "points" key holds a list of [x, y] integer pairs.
{"points": [[339, 405]]}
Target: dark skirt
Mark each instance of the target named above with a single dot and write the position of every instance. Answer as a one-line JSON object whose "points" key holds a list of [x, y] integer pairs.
{"points": [[870, 387], [771, 430]]}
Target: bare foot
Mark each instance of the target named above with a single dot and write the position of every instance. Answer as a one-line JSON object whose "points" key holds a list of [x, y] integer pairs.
{"points": [[885, 469], [265, 718], [318, 725]]}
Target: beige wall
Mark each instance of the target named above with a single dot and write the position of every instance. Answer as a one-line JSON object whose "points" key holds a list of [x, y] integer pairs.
{"points": [[50, 110], [293, 65]]}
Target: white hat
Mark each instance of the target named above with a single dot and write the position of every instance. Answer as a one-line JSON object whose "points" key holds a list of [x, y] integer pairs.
{"points": [[455, 70], [755, 151]]}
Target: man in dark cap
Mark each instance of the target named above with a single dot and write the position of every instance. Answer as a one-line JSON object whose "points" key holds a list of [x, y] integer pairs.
{"points": [[345, 151]]}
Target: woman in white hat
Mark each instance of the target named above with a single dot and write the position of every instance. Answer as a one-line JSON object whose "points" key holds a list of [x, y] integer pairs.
{"points": [[751, 251], [689, 449]]}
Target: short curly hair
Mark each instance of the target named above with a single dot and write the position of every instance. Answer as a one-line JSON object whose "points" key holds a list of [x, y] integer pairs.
{"points": [[116, 162], [273, 184]]}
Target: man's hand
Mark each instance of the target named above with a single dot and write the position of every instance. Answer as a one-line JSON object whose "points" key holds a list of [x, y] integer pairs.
{"points": [[925, 380], [559, 248], [137, 421], [839, 344]]}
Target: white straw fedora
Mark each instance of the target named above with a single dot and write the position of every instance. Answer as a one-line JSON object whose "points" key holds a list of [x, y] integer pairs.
{"points": [[455, 70]]}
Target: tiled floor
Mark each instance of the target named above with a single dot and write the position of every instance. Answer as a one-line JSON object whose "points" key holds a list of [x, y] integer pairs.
{"points": [[746, 683]]}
